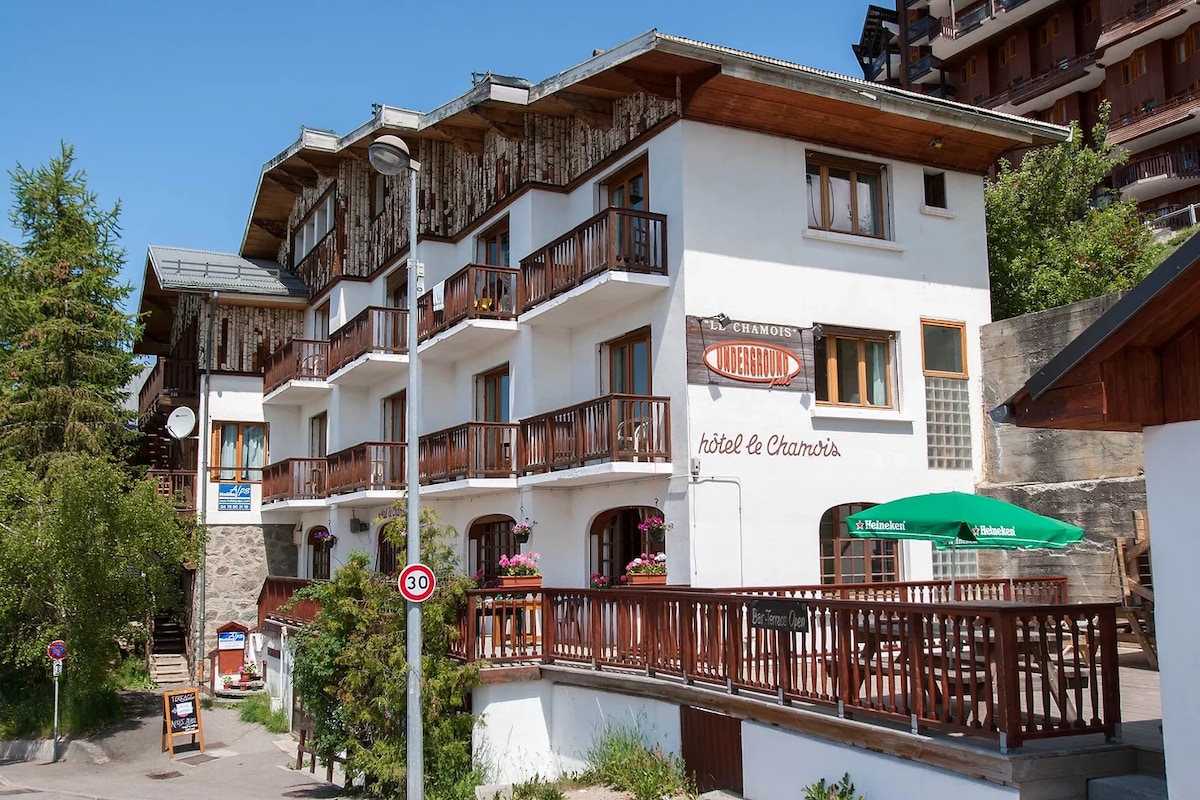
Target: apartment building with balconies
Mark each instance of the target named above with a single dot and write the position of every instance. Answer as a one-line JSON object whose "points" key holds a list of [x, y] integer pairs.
{"points": [[1058, 60], [675, 279]]}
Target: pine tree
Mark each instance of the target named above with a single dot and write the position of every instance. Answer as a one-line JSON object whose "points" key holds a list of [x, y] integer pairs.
{"points": [[65, 343]]}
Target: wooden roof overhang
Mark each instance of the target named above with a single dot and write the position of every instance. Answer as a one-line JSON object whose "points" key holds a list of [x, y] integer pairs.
{"points": [[1137, 365], [711, 84]]}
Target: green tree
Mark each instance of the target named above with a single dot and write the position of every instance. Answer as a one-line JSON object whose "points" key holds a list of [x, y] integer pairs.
{"points": [[1054, 235], [65, 343], [351, 674]]}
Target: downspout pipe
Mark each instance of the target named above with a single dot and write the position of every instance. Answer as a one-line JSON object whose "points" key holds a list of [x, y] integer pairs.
{"points": [[202, 511]]}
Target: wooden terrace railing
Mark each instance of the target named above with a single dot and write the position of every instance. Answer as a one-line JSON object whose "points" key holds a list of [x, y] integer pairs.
{"points": [[367, 466], [1138, 14], [1181, 164], [374, 330], [298, 359], [1051, 589], [1062, 73], [323, 263], [294, 479], [474, 292], [1005, 671], [471, 450], [616, 239], [173, 378], [616, 427], [178, 486], [276, 591]]}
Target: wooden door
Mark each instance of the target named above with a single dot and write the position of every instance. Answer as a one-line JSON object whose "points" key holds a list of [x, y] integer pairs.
{"points": [[711, 746]]}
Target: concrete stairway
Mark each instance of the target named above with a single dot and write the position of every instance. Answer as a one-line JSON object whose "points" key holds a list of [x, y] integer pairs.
{"points": [[168, 669], [168, 663], [1127, 787]]}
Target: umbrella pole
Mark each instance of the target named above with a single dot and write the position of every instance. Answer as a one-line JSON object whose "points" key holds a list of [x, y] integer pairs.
{"points": [[953, 570]]}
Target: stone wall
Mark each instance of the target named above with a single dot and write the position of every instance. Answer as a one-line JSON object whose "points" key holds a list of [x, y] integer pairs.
{"points": [[1092, 479], [238, 559]]}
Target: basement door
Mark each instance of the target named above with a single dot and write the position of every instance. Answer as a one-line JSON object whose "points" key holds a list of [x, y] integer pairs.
{"points": [[711, 746]]}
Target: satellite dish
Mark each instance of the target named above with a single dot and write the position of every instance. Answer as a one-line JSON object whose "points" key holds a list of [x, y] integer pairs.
{"points": [[181, 422]]}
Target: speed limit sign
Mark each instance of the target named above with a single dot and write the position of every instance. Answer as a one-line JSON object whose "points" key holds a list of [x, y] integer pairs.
{"points": [[416, 583]]}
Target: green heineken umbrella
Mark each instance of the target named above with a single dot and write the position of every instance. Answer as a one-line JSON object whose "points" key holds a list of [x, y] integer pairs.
{"points": [[954, 520]]}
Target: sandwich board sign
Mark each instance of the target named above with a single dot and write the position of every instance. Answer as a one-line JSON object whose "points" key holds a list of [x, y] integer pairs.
{"points": [[181, 717]]}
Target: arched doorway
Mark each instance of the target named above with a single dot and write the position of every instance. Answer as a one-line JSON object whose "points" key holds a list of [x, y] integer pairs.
{"points": [[848, 559], [322, 551], [489, 538], [387, 558], [615, 540]]}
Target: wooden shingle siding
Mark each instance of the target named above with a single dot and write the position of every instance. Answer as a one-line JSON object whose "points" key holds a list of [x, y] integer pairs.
{"points": [[244, 336]]}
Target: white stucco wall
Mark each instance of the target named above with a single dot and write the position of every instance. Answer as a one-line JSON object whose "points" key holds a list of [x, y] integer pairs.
{"points": [[776, 763], [1172, 454], [232, 399]]}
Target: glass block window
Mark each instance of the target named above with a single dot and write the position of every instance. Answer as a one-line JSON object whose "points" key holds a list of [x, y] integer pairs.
{"points": [[949, 564], [947, 423]]}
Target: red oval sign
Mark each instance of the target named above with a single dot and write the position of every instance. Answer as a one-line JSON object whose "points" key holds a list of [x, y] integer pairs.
{"points": [[753, 362]]}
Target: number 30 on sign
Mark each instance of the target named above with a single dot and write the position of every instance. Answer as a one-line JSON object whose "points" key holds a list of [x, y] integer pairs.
{"points": [[416, 583]]}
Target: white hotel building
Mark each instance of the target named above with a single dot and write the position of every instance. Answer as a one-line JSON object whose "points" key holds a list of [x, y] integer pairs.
{"points": [[736, 290]]}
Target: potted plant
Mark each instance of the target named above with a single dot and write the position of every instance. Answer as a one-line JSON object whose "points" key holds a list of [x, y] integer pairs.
{"points": [[599, 581], [655, 528], [522, 529], [248, 672], [647, 569], [520, 571], [323, 536]]}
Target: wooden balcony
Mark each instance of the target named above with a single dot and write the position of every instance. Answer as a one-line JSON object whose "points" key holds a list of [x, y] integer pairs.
{"points": [[616, 240], [178, 486], [1153, 124], [1011, 672], [1051, 84], [295, 479], [478, 309], [380, 334], [471, 450], [171, 384], [276, 592], [1141, 16], [617, 427], [300, 360], [1157, 175], [324, 262], [367, 467]]}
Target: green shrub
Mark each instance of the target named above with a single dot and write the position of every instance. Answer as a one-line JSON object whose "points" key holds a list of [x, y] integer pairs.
{"points": [[620, 758], [133, 674], [537, 788], [842, 790]]}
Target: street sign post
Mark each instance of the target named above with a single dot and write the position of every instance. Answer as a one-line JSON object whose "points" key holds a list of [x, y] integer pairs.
{"points": [[416, 583], [57, 650]]}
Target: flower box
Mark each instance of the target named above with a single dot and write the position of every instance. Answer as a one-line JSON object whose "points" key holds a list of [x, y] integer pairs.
{"points": [[638, 579], [520, 581]]}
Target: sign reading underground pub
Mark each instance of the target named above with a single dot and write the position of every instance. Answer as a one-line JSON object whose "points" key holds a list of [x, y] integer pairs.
{"points": [[749, 354]]}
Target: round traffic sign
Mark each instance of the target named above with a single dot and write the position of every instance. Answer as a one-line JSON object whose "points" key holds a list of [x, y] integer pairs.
{"points": [[57, 649], [416, 583]]}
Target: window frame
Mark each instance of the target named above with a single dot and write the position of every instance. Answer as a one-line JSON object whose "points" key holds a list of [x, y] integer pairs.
{"points": [[938, 187], [301, 246], [498, 382], [1008, 51], [380, 191], [969, 69], [498, 233], [242, 472], [834, 333], [945, 323], [825, 162], [318, 435], [395, 411], [837, 528], [1048, 30], [628, 341], [622, 177], [488, 538]]}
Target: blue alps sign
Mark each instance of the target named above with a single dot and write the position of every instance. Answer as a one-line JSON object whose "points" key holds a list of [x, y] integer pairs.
{"points": [[233, 497]]}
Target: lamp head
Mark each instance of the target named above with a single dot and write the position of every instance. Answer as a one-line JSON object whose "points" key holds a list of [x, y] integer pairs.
{"points": [[389, 155]]}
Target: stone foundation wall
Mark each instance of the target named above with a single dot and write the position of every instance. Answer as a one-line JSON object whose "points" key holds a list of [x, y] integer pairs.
{"points": [[238, 559]]}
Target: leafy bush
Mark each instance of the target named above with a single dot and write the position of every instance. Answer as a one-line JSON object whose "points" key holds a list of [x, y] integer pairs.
{"points": [[620, 758], [537, 788], [133, 674], [842, 790], [257, 708]]}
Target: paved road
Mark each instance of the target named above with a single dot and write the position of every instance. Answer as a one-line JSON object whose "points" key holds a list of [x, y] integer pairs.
{"points": [[240, 761]]}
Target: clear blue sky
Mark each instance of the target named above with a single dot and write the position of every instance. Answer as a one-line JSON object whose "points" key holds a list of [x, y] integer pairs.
{"points": [[174, 107]]}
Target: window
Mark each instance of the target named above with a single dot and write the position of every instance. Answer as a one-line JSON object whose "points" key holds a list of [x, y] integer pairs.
{"points": [[629, 189], [318, 429], [943, 345], [387, 555], [1089, 12], [322, 549], [1135, 67], [315, 227], [493, 395], [1058, 113], [629, 363], [845, 196], [1048, 30], [488, 539], [321, 322], [493, 246], [1008, 50], [969, 69], [952, 564], [379, 194], [935, 189], [394, 417], [616, 540], [1182, 49], [239, 450], [853, 369], [848, 559]]}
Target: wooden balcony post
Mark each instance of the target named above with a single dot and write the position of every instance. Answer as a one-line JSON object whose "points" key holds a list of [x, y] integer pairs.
{"points": [[472, 643], [1008, 701], [1110, 672], [595, 635], [549, 627]]}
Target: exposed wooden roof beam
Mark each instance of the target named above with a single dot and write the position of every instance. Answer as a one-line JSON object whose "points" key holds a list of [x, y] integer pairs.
{"points": [[270, 226], [508, 124], [594, 111], [329, 171], [687, 86], [651, 83], [283, 182], [468, 139], [304, 175]]}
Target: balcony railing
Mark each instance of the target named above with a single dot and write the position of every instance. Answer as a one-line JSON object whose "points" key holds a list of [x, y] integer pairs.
{"points": [[473, 450], [616, 239], [370, 466], [618, 427], [920, 68], [170, 378], [323, 263], [1008, 672], [298, 359], [374, 330], [294, 479], [276, 592], [1183, 164], [925, 26], [474, 292], [178, 486], [1138, 13], [1062, 73], [965, 23]]}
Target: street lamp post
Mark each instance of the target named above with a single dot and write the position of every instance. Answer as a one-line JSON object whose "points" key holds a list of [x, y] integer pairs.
{"points": [[390, 156]]}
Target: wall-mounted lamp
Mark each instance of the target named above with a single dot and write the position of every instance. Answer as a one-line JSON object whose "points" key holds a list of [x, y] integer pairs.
{"points": [[816, 332], [936, 144], [722, 319]]}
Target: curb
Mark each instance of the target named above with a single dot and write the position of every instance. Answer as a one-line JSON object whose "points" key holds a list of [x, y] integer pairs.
{"points": [[43, 750]]}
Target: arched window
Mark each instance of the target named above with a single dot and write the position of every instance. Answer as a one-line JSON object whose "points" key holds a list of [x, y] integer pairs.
{"points": [[848, 559], [322, 548], [616, 540], [489, 538], [386, 556]]}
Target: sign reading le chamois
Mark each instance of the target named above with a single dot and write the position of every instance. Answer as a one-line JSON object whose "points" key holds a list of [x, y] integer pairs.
{"points": [[748, 354]]}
